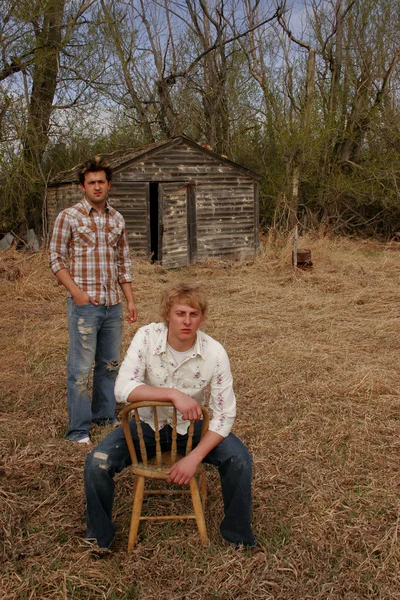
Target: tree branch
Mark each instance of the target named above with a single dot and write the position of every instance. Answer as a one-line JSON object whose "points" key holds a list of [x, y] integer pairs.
{"points": [[218, 44]]}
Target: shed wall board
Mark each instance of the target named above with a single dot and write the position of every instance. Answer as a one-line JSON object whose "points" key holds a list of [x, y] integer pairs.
{"points": [[174, 236], [61, 197], [131, 200]]}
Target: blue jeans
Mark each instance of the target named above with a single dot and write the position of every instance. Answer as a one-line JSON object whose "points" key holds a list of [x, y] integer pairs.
{"points": [[111, 456], [95, 335]]}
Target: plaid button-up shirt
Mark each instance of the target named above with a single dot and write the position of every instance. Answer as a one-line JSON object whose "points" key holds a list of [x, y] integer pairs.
{"points": [[94, 248]]}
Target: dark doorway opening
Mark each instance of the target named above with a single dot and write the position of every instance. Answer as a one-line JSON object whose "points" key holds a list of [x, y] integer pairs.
{"points": [[154, 218]]}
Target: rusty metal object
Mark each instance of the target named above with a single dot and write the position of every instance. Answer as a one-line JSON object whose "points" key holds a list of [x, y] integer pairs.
{"points": [[303, 258]]}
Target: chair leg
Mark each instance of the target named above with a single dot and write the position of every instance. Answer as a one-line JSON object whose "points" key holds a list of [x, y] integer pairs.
{"points": [[136, 512], [203, 489], [198, 510]]}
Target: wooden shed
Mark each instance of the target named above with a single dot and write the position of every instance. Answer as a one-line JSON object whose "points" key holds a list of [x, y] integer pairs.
{"points": [[182, 202]]}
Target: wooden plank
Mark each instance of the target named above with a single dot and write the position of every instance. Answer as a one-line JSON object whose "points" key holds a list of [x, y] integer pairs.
{"points": [[191, 224], [175, 238]]}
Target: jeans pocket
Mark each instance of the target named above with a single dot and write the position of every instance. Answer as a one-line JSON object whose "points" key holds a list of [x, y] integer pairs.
{"points": [[84, 310]]}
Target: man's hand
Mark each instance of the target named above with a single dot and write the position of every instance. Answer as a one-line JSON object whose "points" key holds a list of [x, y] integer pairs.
{"points": [[131, 317], [186, 405], [183, 471], [81, 298]]}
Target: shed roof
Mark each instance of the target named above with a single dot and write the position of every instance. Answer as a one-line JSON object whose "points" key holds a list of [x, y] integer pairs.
{"points": [[120, 158]]}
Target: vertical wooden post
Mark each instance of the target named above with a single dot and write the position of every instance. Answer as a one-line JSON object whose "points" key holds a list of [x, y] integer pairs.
{"points": [[295, 242]]}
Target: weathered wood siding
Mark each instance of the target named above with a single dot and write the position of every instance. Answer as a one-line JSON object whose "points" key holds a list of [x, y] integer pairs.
{"points": [[174, 236], [61, 197], [207, 207], [225, 206], [130, 198], [225, 219]]}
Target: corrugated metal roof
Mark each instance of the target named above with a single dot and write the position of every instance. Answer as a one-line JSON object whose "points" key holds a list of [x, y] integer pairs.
{"points": [[120, 157]]}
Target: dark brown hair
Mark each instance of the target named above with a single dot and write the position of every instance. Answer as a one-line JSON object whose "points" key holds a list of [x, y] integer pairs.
{"points": [[97, 163]]}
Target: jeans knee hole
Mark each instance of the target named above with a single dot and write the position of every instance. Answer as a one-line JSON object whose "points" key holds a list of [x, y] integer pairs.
{"points": [[113, 365]]}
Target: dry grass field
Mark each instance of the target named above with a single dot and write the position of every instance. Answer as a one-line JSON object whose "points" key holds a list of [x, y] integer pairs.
{"points": [[315, 358]]}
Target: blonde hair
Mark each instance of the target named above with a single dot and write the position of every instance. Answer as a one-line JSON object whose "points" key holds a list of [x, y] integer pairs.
{"points": [[185, 293]]}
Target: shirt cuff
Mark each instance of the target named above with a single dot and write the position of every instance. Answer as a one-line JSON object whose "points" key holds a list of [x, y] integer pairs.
{"points": [[223, 429], [57, 266], [124, 279]]}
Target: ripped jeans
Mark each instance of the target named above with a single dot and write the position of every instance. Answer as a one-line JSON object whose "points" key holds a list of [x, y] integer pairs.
{"points": [[95, 335], [111, 456]]}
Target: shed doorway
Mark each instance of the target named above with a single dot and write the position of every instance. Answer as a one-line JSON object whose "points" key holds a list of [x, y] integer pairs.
{"points": [[154, 223], [172, 223]]}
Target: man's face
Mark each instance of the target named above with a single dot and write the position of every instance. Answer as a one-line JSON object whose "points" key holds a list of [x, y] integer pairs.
{"points": [[96, 188], [183, 323]]}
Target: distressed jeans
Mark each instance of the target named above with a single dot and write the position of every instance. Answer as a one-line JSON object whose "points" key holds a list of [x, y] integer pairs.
{"points": [[111, 456], [95, 335]]}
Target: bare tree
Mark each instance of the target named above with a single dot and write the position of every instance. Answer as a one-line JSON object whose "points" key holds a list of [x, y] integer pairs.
{"points": [[178, 60], [32, 39]]}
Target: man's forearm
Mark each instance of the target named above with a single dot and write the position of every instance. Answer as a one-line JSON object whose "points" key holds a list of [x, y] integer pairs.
{"points": [[64, 277], [126, 288], [187, 406], [206, 444], [150, 392], [182, 471]]}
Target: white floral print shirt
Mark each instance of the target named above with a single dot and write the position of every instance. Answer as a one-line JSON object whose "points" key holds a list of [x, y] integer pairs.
{"points": [[149, 362]]}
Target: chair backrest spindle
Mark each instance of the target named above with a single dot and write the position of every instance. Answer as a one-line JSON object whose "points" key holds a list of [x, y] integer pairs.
{"points": [[157, 438], [142, 445], [174, 436]]}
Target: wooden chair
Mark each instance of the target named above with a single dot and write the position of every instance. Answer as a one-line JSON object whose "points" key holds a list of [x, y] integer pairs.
{"points": [[157, 468]]}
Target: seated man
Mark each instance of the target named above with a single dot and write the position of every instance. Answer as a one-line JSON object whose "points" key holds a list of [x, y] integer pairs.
{"points": [[175, 361]]}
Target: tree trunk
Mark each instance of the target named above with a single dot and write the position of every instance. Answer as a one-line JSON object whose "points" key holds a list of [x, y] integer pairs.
{"points": [[45, 75], [305, 121], [336, 62]]}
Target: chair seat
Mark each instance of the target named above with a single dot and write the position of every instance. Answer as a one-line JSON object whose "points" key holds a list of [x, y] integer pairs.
{"points": [[153, 471]]}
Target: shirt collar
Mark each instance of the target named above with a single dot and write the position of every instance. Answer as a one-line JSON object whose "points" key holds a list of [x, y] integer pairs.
{"points": [[88, 207], [161, 344]]}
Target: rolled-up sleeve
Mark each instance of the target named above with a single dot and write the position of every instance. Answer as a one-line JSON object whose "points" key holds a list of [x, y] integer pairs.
{"points": [[133, 367], [123, 258], [222, 397], [59, 243]]}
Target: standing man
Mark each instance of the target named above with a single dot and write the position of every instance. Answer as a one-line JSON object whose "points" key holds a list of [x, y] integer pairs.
{"points": [[89, 255], [176, 361]]}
